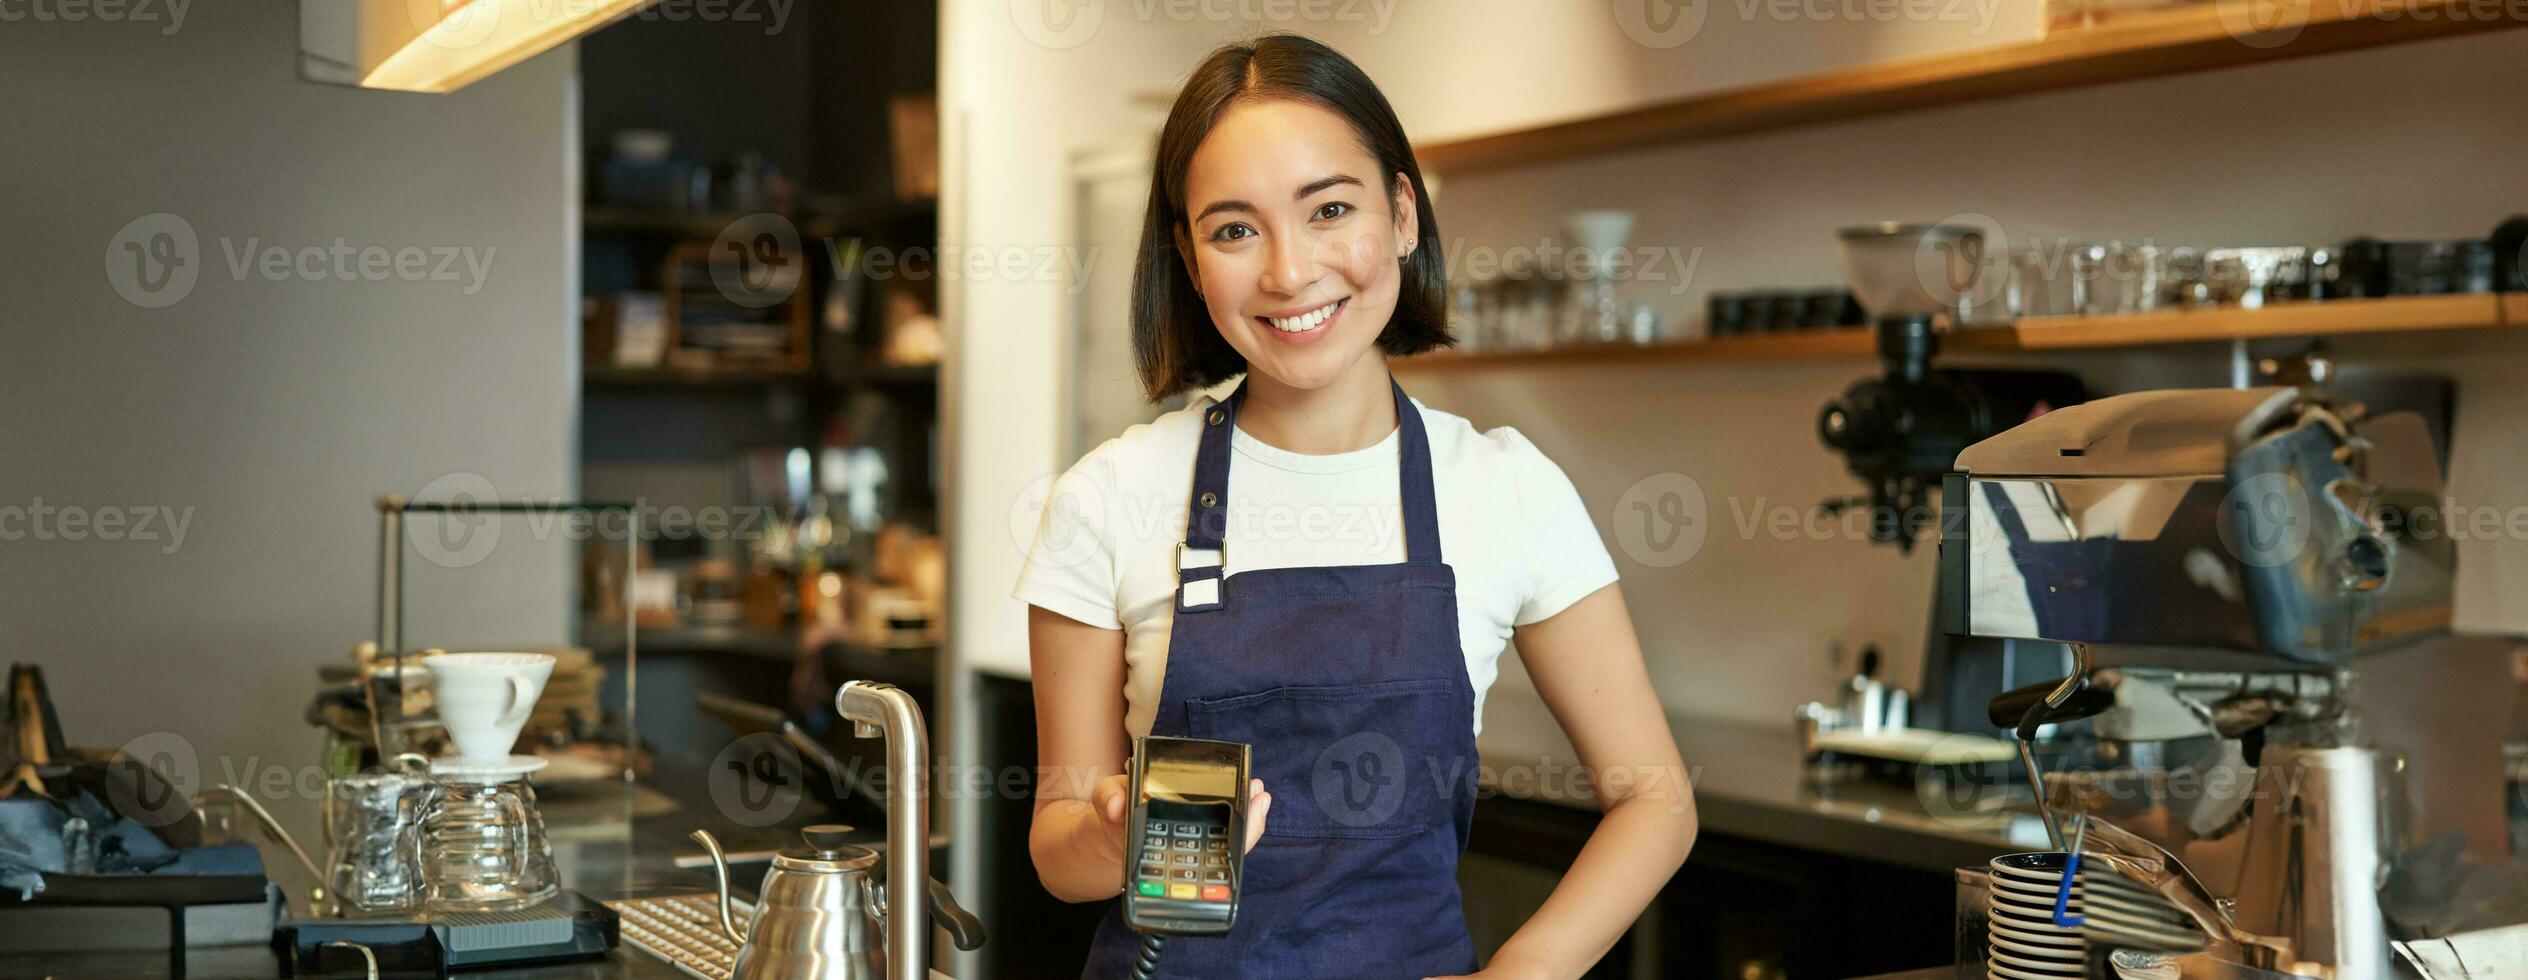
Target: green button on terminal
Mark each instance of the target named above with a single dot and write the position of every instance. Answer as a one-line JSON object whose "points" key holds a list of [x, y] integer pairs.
{"points": [[1153, 889]]}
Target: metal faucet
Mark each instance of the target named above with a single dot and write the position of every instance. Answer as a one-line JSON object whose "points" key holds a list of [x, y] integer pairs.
{"points": [[877, 710]]}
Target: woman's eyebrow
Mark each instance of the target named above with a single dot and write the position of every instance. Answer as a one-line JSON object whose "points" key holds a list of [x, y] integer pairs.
{"points": [[1321, 183], [1305, 191], [1216, 207]]}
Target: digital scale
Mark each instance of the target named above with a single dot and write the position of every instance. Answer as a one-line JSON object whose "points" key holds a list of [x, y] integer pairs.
{"points": [[567, 926]]}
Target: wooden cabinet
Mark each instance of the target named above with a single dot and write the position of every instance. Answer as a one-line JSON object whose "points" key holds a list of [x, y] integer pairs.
{"points": [[1738, 910]]}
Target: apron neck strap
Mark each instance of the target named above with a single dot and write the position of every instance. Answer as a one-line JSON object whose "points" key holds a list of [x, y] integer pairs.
{"points": [[1207, 513]]}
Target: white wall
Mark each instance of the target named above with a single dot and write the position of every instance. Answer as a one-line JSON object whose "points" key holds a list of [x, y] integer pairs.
{"points": [[1742, 630], [272, 412]]}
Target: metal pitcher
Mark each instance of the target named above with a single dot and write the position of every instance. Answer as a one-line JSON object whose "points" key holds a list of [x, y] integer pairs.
{"points": [[815, 915], [822, 909]]}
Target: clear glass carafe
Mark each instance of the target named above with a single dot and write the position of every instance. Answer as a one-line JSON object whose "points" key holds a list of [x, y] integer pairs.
{"points": [[482, 846], [372, 862]]}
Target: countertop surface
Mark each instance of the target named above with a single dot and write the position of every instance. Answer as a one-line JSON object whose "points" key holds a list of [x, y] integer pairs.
{"points": [[610, 840], [1750, 782], [613, 840]]}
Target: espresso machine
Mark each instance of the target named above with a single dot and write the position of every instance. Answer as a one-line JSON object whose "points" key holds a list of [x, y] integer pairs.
{"points": [[2227, 567]]}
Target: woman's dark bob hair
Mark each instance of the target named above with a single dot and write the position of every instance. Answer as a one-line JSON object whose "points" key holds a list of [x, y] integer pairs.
{"points": [[1172, 334]]}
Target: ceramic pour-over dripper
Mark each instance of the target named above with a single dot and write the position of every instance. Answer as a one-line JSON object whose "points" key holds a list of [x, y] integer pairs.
{"points": [[484, 700]]}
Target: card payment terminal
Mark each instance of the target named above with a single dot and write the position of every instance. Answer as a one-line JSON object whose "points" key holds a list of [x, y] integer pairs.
{"points": [[1185, 849]]}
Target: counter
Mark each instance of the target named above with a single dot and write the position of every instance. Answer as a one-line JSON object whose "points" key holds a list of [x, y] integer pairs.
{"points": [[1750, 782], [610, 841]]}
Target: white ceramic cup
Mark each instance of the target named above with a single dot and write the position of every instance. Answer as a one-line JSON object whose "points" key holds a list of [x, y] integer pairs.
{"points": [[484, 698]]}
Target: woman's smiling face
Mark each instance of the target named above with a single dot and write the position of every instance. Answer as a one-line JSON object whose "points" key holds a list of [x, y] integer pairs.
{"points": [[1294, 239]]}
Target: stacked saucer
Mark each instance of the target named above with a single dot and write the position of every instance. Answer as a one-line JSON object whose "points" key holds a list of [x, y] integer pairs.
{"points": [[2025, 943]]}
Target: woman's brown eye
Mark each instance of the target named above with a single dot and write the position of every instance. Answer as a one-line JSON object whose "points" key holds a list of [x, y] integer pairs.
{"points": [[1231, 233], [1332, 210]]}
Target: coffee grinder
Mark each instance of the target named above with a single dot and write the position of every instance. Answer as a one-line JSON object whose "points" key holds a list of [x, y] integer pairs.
{"points": [[1899, 431]]}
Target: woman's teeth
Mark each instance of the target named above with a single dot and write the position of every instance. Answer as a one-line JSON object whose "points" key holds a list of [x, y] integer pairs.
{"points": [[1304, 321]]}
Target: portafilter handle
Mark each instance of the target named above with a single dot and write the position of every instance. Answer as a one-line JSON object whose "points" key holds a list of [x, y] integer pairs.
{"points": [[2011, 708]]}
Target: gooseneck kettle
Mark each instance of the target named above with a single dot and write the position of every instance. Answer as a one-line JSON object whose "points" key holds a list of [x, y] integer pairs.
{"points": [[821, 910]]}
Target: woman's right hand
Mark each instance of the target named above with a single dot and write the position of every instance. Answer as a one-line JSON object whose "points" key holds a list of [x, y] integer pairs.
{"points": [[1112, 799]]}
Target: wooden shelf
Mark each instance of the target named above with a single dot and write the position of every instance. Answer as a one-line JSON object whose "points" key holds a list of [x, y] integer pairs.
{"points": [[2137, 47], [2348, 317], [2334, 318], [905, 376], [1815, 345], [887, 374], [595, 376], [692, 225]]}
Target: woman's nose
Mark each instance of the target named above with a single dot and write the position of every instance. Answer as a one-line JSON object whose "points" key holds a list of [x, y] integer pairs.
{"points": [[1293, 264]]}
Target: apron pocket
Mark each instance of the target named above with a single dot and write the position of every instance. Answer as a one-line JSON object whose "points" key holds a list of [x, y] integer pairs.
{"points": [[1363, 761]]}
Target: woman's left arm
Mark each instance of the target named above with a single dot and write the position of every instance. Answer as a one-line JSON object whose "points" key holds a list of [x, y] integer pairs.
{"points": [[1587, 663]]}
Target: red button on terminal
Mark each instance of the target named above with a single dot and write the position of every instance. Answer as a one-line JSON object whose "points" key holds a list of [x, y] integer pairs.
{"points": [[1215, 893]]}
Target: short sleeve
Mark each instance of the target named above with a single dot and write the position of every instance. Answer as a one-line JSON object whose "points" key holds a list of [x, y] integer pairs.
{"points": [[1071, 568], [1565, 560]]}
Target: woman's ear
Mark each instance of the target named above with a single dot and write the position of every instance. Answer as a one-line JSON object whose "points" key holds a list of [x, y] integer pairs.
{"points": [[1185, 254], [1408, 218]]}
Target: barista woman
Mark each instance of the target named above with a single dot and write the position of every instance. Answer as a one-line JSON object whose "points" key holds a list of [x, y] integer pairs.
{"points": [[1322, 567]]}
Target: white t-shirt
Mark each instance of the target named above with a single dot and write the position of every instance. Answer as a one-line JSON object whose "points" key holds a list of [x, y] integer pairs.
{"points": [[1522, 545]]}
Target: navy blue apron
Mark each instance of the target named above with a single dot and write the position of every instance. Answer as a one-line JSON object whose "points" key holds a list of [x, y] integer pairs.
{"points": [[1350, 684]]}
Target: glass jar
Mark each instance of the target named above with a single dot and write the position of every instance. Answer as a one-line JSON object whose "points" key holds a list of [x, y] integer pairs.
{"points": [[482, 845], [371, 858]]}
